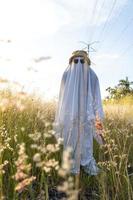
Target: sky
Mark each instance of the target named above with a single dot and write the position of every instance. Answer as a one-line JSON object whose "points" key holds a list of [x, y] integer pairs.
{"points": [[37, 37]]}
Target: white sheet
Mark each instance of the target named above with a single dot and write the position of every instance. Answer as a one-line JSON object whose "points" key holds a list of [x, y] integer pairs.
{"points": [[79, 101]]}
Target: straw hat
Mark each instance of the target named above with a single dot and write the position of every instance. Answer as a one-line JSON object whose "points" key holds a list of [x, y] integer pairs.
{"points": [[80, 53]]}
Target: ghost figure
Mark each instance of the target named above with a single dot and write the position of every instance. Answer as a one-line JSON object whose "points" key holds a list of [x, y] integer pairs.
{"points": [[78, 105]]}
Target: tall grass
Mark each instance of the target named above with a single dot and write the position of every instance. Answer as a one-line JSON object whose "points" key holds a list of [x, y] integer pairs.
{"points": [[31, 165]]}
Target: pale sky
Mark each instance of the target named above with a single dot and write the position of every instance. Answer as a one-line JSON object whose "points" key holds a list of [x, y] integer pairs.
{"points": [[37, 38]]}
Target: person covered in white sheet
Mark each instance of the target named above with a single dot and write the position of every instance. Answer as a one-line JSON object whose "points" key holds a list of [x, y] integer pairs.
{"points": [[79, 112]]}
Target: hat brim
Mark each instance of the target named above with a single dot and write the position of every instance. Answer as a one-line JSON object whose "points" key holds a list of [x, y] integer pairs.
{"points": [[79, 55]]}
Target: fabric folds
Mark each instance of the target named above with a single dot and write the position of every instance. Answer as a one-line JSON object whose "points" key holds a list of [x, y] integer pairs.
{"points": [[79, 102]]}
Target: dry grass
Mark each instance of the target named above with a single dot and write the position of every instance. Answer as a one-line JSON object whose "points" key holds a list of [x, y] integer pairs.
{"points": [[30, 157]]}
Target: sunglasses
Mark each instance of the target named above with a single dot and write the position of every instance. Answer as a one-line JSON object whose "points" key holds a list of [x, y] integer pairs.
{"points": [[76, 60]]}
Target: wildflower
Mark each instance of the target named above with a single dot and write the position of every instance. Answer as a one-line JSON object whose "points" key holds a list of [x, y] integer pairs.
{"points": [[27, 181], [64, 171], [50, 147], [2, 171], [66, 162], [23, 169], [60, 140], [22, 129], [47, 124], [44, 155], [36, 136], [37, 157], [15, 137]]}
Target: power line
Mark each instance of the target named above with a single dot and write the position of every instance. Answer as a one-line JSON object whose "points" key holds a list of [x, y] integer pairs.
{"points": [[106, 23], [123, 31], [93, 15], [117, 16], [108, 17], [117, 40], [127, 50], [98, 17]]}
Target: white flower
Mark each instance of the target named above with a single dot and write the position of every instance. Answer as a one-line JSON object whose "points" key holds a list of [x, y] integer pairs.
{"points": [[37, 157]]}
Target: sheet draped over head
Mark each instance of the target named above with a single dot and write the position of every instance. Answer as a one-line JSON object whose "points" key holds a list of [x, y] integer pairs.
{"points": [[79, 103]]}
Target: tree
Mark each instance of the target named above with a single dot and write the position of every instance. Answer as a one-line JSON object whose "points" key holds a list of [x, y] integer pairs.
{"points": [[122, 89], [125, 85]]}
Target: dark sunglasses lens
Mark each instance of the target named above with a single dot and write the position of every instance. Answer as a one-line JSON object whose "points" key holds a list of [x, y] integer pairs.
{"points": [[82, 61], [75, 61]]}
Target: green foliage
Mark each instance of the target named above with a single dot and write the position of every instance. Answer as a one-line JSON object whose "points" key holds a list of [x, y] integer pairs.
{"points": [[122, 89]]}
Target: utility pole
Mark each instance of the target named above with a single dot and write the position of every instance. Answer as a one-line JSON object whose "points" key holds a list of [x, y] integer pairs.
{"points": [[88, 46]]}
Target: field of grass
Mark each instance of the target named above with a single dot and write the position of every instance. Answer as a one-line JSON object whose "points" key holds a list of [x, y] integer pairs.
{"points": [[30, 158]]}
